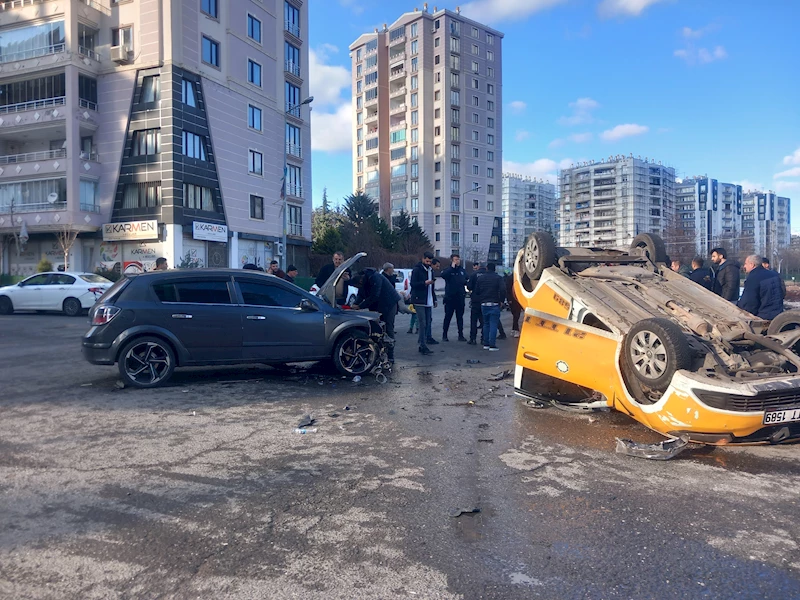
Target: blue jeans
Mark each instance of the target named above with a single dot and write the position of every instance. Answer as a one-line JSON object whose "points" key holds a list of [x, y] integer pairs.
{"points": [[425, 316], [491, 317]]}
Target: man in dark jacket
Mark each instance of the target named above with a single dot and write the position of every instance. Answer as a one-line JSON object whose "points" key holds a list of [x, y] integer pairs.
{"points": [[726, 280], [513, 304], [377, 294], [476, 316], [455, 294], [490, 292], [762, 295], [765, 264], [423, 298], [701, 274], [326, 272], [291, 273]]}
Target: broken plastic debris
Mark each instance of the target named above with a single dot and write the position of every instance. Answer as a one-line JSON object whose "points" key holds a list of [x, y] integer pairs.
{"points": [[86, 385], [349, 407], [457, 512], [119, 384], [472, 361], [502, 375], [306, 421], [304, 431], [532, 403], [381, 378], [662, 451], [357, 379]]}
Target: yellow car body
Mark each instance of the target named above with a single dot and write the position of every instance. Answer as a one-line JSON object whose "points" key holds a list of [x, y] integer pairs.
{"points": [[574, 328]]}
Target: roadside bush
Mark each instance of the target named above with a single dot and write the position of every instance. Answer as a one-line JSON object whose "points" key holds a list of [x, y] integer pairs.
{"points": [[44, 266]]}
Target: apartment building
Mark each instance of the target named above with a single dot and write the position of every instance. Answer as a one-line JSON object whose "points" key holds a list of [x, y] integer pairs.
{"points": [[427, 127], [766, 223], [608, 203], [708, 213], [528, 205], [171, 128]]}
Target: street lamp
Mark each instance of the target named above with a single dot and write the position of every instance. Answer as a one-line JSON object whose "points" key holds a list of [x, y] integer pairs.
{"points": [[289, 111]]}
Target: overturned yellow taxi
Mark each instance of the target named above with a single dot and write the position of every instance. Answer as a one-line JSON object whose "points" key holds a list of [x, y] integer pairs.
{"points": [[642, 339]]}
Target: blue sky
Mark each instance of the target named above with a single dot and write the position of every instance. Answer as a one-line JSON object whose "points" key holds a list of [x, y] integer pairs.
{"points": [[709, 87]]}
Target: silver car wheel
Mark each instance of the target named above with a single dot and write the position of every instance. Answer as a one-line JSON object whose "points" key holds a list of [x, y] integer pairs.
{"points": [[147, 363], [648, 355], [357, 355]]}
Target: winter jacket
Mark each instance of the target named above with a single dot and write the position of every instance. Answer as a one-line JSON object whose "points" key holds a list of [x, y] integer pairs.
{"points": [[377, 293], [763, 294], [419, 291], [727, 281], [455, 279], [703, 276], [489, 287]]}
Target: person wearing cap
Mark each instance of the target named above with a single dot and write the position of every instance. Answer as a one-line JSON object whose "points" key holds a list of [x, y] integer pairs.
{"points": [[291, 273]]}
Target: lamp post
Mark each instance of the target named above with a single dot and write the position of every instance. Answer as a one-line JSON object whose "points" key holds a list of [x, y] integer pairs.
{"points": [[289, 110]]}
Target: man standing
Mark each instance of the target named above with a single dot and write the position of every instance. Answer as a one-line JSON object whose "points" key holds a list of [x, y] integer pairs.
{"points": [[424, 299], [474, 304], [513, 304], [325, 273], [376, 293], [678, 267], [765, 264], [161, 264], [455, 294], [701, 274], [762, 295], [726, 282], [490, 292], [275, 269], [291, 273]]}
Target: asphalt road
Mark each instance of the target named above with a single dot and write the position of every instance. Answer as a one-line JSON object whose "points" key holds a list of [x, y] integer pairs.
{"points": [[203, 490]]}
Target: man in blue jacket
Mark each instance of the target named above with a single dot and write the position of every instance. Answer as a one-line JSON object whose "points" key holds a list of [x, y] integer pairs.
{"points": [[763, 294], [424, 299], [376, 293], [455, 294]]}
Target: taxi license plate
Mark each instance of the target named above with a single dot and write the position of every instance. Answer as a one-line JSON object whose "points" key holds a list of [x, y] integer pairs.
{"points": [[773, 417]]}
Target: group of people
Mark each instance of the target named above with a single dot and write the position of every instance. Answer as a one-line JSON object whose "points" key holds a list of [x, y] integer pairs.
{"points": [[764, 289], [274, 269]]}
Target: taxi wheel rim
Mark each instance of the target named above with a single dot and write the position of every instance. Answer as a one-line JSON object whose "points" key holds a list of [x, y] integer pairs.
{"points": [[147, 363], [532, 255], [649, 355]]}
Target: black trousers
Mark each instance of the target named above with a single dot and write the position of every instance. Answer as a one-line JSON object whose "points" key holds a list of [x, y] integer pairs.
{"points": [[454, 306], [476, 320], [388, 319]]}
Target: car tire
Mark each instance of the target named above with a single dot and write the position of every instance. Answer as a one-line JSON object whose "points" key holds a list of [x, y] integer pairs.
{"points": [[146, 362], [538, 254], [652, 245], [652, 352], [784, 322], [355, 353], [72, 307], [6, 306]]}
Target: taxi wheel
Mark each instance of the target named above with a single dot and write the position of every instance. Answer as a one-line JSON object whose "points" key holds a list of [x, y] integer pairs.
{"points": [[539, 253], [653, 351], [652, 245], [785, 321]]}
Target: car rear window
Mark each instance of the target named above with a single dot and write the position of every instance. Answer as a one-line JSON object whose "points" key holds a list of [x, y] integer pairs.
{"points": [[62, 280], [193, 292], [92, 278]]}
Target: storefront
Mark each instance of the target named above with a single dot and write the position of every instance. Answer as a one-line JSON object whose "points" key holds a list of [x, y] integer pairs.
{"points": [[130, 247], [207, 246]]}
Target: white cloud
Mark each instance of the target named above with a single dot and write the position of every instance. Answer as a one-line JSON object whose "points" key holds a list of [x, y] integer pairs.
{"points": [[494, 11], [325, 81], [581, 112], [522, 135], [517, 106], [355, 8], [543, 168], [696, 34], [794, 172], [792, 159], [624, 8], [581, 138], [557, 143], [332, 132], [750, 186], [787, 186], [702, 56], [622, 131]]}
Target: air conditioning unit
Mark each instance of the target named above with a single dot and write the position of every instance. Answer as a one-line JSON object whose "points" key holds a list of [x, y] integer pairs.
{"points": [[120, 54], [279, 249]]}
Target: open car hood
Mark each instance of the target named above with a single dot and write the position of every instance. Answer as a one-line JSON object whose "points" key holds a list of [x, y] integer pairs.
{"points": [[328, 289]]}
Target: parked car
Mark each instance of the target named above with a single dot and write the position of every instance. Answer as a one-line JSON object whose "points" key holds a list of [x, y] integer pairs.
{"points": [[403, 284], [70, 293], [151, 323], [352, 293], [633, 335]]}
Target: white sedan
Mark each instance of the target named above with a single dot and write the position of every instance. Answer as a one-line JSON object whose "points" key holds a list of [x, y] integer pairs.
{"points": [[70, 293]]}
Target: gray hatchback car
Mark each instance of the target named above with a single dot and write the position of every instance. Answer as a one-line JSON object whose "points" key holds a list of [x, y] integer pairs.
{"points": [[151, 323]]}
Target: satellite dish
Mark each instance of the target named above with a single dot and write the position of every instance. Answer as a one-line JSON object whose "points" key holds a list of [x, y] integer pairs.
{"points": [[52, 197]]}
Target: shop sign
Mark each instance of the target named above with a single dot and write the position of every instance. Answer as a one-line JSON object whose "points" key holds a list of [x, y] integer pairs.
{"points": [[131, 230], [210, 232]]}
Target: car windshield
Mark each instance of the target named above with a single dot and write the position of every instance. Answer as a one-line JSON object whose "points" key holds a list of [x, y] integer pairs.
{"points": [[93, 278]]}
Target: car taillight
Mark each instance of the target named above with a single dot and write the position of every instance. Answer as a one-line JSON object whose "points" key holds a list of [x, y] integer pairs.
{"points": [[96, 290], [104, 314], [405, 285]]}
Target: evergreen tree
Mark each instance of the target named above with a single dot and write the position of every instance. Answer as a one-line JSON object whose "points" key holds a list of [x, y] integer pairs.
{"points": [[326, 207], [358, 208]]}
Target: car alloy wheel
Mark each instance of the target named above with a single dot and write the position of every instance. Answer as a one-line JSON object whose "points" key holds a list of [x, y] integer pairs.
{"points": [[648, 355], [72, 307], [539, 253], [146, 362], [355, 354]]}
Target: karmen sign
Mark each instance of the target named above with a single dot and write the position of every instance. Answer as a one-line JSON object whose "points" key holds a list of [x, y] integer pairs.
{"points": [[131, 230], [211, 232]]}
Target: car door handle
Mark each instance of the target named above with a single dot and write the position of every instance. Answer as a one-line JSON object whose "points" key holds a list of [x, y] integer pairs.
{"points": [[181, 316], [256, 318]]}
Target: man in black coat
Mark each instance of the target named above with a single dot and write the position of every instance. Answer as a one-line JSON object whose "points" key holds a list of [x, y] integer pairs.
{"points": [[762, 295], [377, 294], [490, 292], [476, 315], [423, 297], [701, 274], [326, 272], [455, 295], [726, 280]]}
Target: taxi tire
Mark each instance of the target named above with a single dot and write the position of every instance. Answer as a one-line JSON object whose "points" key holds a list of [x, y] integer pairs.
{"points": [[678, 356], [653, 246], [538, 254], [784, 322]]}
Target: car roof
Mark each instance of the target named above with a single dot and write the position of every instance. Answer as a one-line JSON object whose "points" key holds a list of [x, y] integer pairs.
{"points": [[73, 273], [193, 273]]}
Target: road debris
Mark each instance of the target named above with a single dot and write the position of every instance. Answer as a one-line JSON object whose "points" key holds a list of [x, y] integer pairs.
{"points": [[304, 431], [502, 375], [457, 512], [86, 385], [306, 421], [119, 384], [662, 451], [473, 361], [488, 440], [357, 379]]}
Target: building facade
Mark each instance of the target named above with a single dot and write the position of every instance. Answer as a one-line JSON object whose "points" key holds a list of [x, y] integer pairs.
{"points": [[528, 205], [608, 203], [766, 224], [170, 128], [708, 213], [427, 127]]}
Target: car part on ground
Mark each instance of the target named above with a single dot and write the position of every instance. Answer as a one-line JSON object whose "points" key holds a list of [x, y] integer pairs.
{"points": [[665, 450]]}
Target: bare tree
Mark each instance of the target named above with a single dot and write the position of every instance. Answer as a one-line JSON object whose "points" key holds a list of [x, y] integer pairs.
{"points": [[474, 252], [66, 237], [680, 242]]}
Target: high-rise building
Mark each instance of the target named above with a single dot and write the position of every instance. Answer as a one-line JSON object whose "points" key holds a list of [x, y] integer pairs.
{"points": [[766, 223], [173, 128], [608, 203], [427, 133], [528, 205], [708, 213]]}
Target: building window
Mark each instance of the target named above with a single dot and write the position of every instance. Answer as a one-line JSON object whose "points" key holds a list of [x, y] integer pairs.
{"points": [[294, 181], [414, 170], [437, 184], [475, 237], [253, 28], [475, 118], [489, 155], [123, 37], [414, 152], [489, 172], [437, 202], [256, 207], [490, 139], [295, 220], [291, 15], [360, 166], [475, 67], [292, 56], [255, 162], [437, 166], [414, 82], [454, 134], [437, 59], [490, 72], [476, 204], [455, 220], [490, 39], [476, 153], [210, 7], [415, 188], [292, 99], [489, 55], [437, 131], [414, 117], [455, 186], [455, 151], [476, 170], [490, 105], [414, 30], [455, 80], [194, 146], [437, 220], [437, 149], [455, 206], [414, 47], [490, 122], [490, 88], [455, 238], [89, 198], [210, 52], [490, 189], [414, 135], [415, 205], [254, 72], [476, 221], [476, 136], [253, 117], [438, 236], [455, 169], [197, 197], [490, 205], [142, 195], [437, 95], [146, 142], [188, 96], [151, 89], [436, 42], [360, 183]]}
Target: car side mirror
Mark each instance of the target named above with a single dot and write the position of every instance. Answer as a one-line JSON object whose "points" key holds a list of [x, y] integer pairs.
{"points": [[307, 305]]}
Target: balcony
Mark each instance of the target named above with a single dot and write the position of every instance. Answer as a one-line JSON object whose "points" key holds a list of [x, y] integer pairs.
{"points": [[88, 53], [33, 53], [398, 91], [397, 109], [83, 103], [371, 102], [397, 57], [12, 159], [34, 105], [373, 118], [294, 150], [398, 126], [292, 28], [294, 190], [291, 67], [395, 74]]}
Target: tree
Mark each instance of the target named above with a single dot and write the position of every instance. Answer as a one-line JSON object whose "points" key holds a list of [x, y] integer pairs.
{"points": [[329, 242], [410, 238], [386, 235], [66, 237], [326, 207], [358, 208]]}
